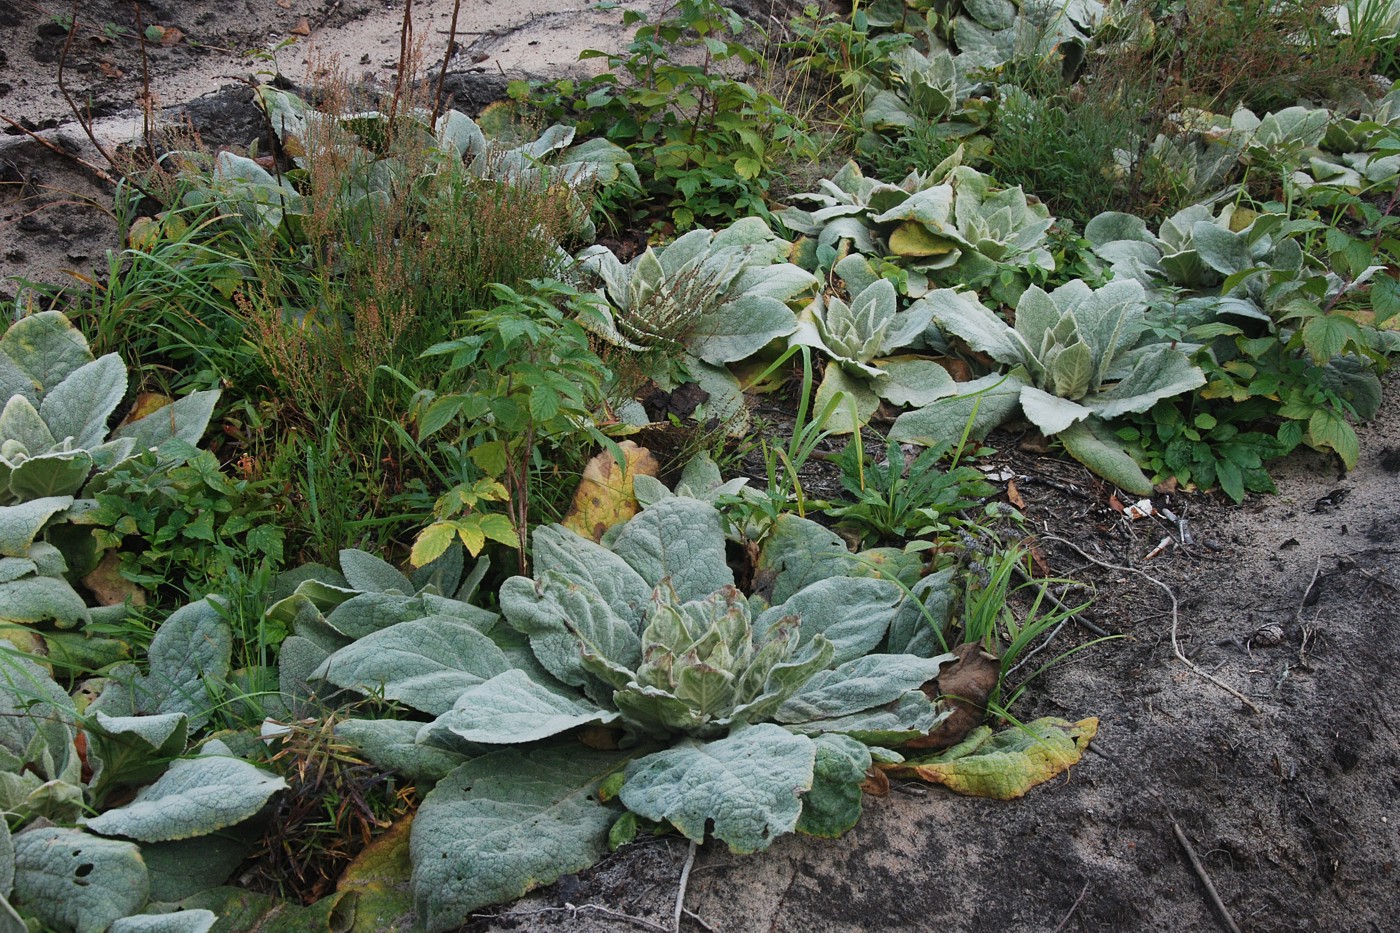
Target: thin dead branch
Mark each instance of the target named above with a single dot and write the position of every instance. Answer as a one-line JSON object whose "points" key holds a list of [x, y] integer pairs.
{"points": [[1205, 879]]}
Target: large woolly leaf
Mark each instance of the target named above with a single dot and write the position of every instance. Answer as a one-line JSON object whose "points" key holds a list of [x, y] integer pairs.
{"points": [[184, 419], [1050, 413], [581, 560], [738, 329], [748, 785], [189, 657], [36, 721], [79, 406], [46, 348], [913, 381], [392, 744], [185, 867], [75, 881], [61, 473], [504, 824], [560, 618], [1094, 447], [197, 796], [679, 538], [982, 403], [796, 553], [198, 920], [424, 663], [134, 749], [909, 716], [833, 804], [20, 524], [859, 685], [853, 614], [1157, 371], [41, 599], [371, 574], [511, 708], [962, 315]]}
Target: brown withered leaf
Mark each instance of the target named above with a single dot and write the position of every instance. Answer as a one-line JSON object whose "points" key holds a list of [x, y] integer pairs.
{"points": [[146, 403], [965, 688], [109, 587], [110, 71], [172, 36], [605, 495], [1013, 495], [601, 738], [1115, 503], [876, 783], [302, 28]]}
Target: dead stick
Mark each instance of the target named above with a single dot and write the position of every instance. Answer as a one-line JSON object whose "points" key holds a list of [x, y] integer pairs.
{"points": [[700, 921], [96, 170], [680, 890], [446, 57], [1302, 603], [1205, 879], [1073, 907], [1176, 622]]}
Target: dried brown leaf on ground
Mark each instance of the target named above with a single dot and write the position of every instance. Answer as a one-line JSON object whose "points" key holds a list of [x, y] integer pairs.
{"points": [[965, 687]]}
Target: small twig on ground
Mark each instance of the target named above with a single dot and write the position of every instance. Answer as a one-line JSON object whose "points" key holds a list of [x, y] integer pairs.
{"points": [[680, 888], [699, 921], [1302, 603], [1205, 879], [1073, 907], [1176, 622], [97, 170]]}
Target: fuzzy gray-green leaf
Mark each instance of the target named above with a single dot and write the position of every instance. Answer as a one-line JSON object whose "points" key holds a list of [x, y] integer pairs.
{"points": [[76, 881], [859, 685], [424, 663], [197, 796], [750, 784], [511, 708], [504, 824], [680, 538]]}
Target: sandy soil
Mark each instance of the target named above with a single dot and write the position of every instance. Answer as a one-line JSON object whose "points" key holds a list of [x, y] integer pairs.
{"points": [[1293, 600]]}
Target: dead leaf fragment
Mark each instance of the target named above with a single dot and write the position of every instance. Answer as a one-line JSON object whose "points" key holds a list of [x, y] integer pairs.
{"points": [[965, 687], [605, 496], [876, 783], [285, 4], [109, 587], [146, 403], [110, 71], [1013, 495], [1006, 764], [302, 28], [172, 36]]}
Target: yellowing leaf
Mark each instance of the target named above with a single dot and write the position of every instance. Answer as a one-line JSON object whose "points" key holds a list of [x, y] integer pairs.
{"points": [[1004, 765], [605, 495], [380, 876], [431, 542], [914, 239]]}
